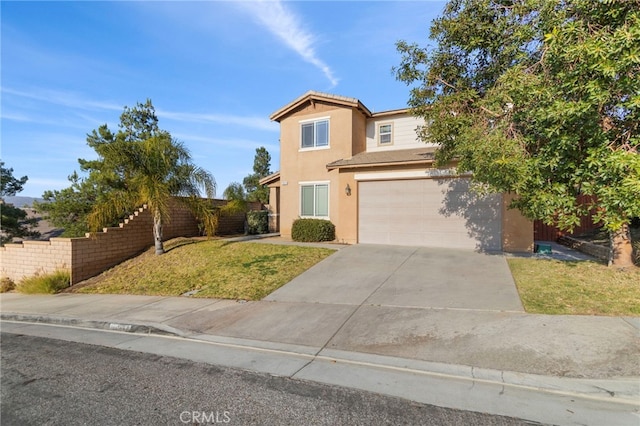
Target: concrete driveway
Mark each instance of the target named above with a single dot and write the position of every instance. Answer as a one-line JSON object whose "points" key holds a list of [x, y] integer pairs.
{"points": [[396, 276]]}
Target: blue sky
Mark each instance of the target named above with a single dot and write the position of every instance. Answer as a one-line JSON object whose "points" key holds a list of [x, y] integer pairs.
{"points": [[214, 71]]}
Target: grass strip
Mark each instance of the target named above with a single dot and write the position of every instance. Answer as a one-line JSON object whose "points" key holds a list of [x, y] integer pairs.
{"points": [[217, 269], [576, 288]]}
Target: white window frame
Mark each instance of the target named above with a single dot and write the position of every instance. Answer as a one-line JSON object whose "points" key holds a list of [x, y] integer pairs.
{"points": [[315, 121], [315, 184], [380, 133]]}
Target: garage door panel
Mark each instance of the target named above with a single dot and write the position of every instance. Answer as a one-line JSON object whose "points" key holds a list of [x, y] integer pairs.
{"points": [[428, 212]]}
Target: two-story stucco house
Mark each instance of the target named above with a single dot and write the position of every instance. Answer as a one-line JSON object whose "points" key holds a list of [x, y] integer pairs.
{"points": [[370, 175]]}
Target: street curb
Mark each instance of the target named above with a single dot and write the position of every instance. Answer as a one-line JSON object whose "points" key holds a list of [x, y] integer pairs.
{"points": [[121, 326], [566, 401], [624, 390]]}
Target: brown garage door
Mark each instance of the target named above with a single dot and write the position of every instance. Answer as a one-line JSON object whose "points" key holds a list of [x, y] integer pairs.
{"points": [[428, 212]]}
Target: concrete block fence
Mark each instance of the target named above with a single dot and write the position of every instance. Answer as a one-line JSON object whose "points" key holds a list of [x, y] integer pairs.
{"points": [[88, 256], [595, 250]]}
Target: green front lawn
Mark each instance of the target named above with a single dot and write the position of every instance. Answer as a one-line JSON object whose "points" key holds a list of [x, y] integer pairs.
{"points": [[576, 288], [251, 271], [216, 269]]}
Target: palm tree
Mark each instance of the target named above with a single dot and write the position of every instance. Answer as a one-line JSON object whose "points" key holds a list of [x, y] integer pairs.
{"points": [[156, 170]]}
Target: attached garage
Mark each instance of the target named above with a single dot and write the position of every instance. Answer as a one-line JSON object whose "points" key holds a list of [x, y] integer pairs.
{"points": [[438, 212]]}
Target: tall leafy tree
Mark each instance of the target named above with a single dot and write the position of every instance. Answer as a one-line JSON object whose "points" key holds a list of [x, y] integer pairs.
{"points": [[538, 98], [70, 207], [139, 164], [14, 222], [157, 170], [261, 168]]}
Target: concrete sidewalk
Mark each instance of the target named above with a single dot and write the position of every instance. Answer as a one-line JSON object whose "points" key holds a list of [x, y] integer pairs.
{"points": [[432, 340]]}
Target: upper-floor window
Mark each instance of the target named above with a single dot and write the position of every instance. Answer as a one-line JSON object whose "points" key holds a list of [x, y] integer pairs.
{"points": [[314, 134], [385, 134]]}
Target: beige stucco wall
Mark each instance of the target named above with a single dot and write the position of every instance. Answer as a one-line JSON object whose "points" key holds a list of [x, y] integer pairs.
{"points": [[404, 132], [350, 133], [345, 126], [347, 233], [517, 230], [274, 207]]}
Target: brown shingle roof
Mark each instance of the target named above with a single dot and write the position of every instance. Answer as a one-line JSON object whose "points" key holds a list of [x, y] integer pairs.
{"points": [[378, 158]]}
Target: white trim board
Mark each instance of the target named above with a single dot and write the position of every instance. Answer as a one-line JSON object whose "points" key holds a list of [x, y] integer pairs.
{"points": [[411, 174]]}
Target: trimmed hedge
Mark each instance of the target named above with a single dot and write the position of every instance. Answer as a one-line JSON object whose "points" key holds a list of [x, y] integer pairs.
{"points": [[313, 230], [258, 222]]}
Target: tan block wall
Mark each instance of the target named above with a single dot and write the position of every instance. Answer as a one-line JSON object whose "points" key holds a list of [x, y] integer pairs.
{"points": [[32, 257], [234, 224], [517, 230], [100, 251], [88, 256]]}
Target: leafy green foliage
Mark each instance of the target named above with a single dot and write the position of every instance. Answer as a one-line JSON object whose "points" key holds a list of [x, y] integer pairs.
{"points": [[235, 191], [138, 164], [157, 169], [313, 230], [10, 185], [45, 283], [536, 98], [258, 222], [68, 208], [261, 166], [14, 222]]}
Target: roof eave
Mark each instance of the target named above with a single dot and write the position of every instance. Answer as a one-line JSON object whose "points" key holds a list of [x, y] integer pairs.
{"points": [[312, 95], [391, 112], [272, 178], [385, 164]]}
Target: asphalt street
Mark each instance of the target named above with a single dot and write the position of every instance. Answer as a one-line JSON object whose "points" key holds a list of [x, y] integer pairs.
{"points": [[54, 382]]}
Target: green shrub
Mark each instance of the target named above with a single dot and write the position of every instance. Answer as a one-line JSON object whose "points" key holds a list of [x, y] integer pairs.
{"points": [[258, 222], [313, 230], [45, 283], [6, 284]]}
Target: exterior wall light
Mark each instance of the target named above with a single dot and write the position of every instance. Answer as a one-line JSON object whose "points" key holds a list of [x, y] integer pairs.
{"points": [[347, 190]]}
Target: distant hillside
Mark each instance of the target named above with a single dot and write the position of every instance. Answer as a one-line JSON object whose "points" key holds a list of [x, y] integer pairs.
{"points": [[19, 201]]}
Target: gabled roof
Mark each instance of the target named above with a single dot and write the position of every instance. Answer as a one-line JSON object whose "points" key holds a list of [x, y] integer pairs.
{"points": [[312, 96], [384, 158], [273, 177]]}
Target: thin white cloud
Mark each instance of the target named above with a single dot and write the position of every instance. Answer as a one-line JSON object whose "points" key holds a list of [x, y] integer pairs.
{"points": [[259, 123], [17, 117], [73, 100], [68, 99], [287, 26], [245, 144]]}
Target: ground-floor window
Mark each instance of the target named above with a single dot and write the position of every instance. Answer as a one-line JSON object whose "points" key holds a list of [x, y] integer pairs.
{"points": [[314, 200]]}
